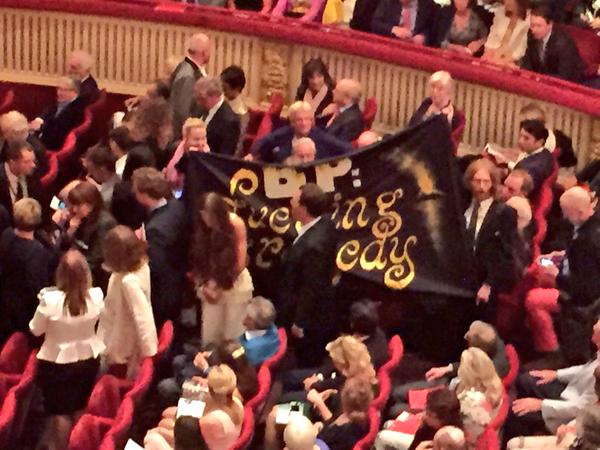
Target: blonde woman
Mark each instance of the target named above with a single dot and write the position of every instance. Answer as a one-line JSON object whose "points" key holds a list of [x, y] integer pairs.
{"points": [[441, 94], [194, 140], [479, 391]]}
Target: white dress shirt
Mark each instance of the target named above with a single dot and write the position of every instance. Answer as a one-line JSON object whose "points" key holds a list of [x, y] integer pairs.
{"points": [[127, 324], [212, 111], [511, 164], [484, 207], [304, 228], [577, 395], [68, 338], [13, 184]]}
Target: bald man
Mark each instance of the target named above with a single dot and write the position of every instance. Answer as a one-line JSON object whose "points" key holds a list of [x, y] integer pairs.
{"points": [[367, 138], [343, 118], [449, 438], [185, 76], [79, 65]]}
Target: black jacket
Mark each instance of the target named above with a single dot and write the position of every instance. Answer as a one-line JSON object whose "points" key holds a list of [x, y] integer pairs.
{"points": [[561, 57], [33, 190], [495, 256], [324, 103], [277, 146], [578, 279], [166, 237], [223, 131], [347, 126], [38, 149], [56, 127], [89, 91], [388, 14], [539, 166]]}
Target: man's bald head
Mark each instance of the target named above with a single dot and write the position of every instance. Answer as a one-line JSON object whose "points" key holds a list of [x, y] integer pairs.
{"points": [[346, 92], [449, 438], [577, 205], [198, 48], [367, 138], [79, 64]]}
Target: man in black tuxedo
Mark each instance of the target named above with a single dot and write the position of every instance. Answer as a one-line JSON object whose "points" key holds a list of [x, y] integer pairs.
{"points": [[345, 120], [535, 159], [17, 179], [551, 50], [184, 77], [492, 232], [57, 121], [277, 146], [306, 304], [164, 230], [222, 124], [79, 65], [405, 19]]}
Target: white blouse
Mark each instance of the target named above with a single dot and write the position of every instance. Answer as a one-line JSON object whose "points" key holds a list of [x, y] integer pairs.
{"points": [[68, 338], [518, 39], [127, 323]]}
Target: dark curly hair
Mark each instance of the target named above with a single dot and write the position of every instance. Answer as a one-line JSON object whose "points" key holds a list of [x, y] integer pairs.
{"points": [[213, 254]]}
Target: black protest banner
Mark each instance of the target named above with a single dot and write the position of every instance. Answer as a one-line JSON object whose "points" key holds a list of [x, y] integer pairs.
{"points": [[395, 206]]}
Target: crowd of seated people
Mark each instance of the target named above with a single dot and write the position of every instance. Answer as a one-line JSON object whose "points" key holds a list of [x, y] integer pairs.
{"points": [[99, 274]]}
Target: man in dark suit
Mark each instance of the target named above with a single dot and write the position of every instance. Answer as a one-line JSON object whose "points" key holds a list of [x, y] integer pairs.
{"points": [[307, 269], [536, 159], [551, 50], [15, 128], [17, 179], [184, 77], [79, 65], [405, 19], [345, 121], [58, 120], [164, 230], [277, 146], [492, 232], [222, 124]]}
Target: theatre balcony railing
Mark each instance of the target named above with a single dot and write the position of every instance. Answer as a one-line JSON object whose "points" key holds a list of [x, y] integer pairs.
{"points": [[132, 40]]}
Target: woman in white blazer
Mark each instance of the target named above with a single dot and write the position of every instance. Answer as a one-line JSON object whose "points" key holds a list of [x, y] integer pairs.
{"points": [[507, 41], [127, 323], [68, 361]]}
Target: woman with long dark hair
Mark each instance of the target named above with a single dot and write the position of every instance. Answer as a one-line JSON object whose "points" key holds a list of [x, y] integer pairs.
{"points": [[68, 360], [316, 86], [218, 263]]}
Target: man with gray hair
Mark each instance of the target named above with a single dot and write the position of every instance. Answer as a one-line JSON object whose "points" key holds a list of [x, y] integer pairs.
{"points": [[222, 124], [343, 118], [184, 77], [58, 120], [15, 128], [79, 65], [260, 340], [303, 151]]}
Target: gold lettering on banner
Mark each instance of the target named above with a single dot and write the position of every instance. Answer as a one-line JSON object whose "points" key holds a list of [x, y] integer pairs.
{"points": [[270, 247], [380, 254], [282, 182], [257, 218], [280, 220], [327, 173], [245, 181]]}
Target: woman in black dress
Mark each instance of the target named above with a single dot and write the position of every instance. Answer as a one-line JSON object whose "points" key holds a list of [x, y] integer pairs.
{"points": [[316, 86]]}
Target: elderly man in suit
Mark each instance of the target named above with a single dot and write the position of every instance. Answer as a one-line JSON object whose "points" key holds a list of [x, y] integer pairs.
{"points": [[343, 118], [79, 65], [184, 78], [15, 128], [405, 19], [57, 121], [492, 233], [164, 230], [307, 268], [277, 146], [17, 178], [550, 50], [222, 124]]}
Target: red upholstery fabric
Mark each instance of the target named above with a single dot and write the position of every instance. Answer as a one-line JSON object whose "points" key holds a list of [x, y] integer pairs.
{"points": [[15, 354], [254, 121], [540, 304], [369, 112], [100, 117], [142, 381], [266, 124], [457, 133], [88, 432], [105, 398], [68, 149], [513, 361], [8, 415], [264, 386], [396, 349], [117, 435], [243, 441], [274, 360], [165, 339], [588, 44], [488, 440], [542, 204], [50, 176], [7, 101], [367, 442]]}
